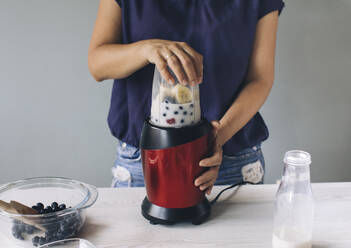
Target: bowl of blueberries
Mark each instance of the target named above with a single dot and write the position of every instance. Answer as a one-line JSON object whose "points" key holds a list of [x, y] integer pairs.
{"points": [[39, 211]]}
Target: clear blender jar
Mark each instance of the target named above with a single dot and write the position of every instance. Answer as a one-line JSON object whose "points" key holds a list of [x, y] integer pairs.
{"points": [[174, 105]]}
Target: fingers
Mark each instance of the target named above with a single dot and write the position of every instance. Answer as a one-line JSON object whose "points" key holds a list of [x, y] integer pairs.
{"points": [[184, 61], [161, 65], [188, 64], [216, 125], [207, 176], [209, 190], [214, 160], [175, 65], [206, 185], [206, 181], [197, 58], [215, 140]]}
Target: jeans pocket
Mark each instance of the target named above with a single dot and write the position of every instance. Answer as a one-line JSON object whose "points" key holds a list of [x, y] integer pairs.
{"points": [[121, 177], [246, 166], [253, 172], [128, 152]]}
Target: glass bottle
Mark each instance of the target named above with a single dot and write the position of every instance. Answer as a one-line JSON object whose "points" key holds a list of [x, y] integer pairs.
{"points": [[294, 204]]}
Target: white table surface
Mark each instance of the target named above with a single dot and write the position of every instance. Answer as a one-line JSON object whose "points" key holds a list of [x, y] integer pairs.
{"points": [[240, 220]]}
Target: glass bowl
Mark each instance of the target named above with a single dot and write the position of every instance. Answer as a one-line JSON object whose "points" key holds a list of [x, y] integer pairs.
{"points": [[70, 243], [25, 230]]}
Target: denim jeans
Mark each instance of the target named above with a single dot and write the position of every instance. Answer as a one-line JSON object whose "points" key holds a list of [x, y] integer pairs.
{"points": [[247, 165]]}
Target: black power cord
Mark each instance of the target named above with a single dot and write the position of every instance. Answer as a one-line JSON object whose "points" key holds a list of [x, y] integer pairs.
{"points": [[230, 187]]}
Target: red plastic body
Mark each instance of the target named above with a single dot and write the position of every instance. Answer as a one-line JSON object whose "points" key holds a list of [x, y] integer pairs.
{"points": [[170, 173]]}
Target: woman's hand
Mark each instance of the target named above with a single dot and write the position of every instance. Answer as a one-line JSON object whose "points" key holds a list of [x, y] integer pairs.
{"points": [[208, 178], [183, 60], [109, 59]]}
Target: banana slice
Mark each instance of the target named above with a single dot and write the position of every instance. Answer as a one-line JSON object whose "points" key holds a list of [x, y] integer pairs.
{"points": [[182, 94]]}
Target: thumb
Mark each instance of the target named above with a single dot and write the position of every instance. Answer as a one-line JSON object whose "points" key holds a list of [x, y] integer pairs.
{"points": [[216, 125]]}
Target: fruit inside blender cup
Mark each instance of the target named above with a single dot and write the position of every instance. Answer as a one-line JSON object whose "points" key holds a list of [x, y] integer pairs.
{"points": [[175, 106]]}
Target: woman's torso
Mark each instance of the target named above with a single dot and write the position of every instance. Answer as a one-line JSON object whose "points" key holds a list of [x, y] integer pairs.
{"points": [[222, 31]]}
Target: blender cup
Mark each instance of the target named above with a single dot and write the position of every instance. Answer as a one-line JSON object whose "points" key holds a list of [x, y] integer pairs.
{"points": [[174, 105]]}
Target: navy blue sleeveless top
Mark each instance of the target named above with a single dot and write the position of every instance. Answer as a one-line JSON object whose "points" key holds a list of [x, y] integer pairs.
{"points": [[223, 31]]}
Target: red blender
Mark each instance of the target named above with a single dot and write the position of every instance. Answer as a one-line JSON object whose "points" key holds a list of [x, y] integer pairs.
{"points": [[174, 140]]}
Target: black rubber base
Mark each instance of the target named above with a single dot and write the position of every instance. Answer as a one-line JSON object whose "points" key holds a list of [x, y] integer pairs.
{"points": [[168, 216]]}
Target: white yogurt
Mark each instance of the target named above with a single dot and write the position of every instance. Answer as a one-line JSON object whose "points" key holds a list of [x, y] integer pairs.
{"points": [[168, 114]]}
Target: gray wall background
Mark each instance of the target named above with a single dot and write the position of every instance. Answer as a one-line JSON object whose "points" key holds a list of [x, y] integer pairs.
{"points": [[53, 115]]}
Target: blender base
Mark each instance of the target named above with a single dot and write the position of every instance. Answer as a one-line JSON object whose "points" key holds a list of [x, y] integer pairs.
{"points": [[167, 216]]}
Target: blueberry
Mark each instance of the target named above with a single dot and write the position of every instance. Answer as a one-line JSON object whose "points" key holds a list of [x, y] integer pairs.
{"points": [[40, 205], [75, 223], [35, 241], [66, 228], [16, 232], [191, 113], [62, 206], [48, 209], [53, 227], [42, 211], [56, 209], [60, 235], [191, 105], [181, 121], [180, 107], [67, 233], [16, 228], [164, 114], [70, 232], [23, 227], [17, 222], [70, 221], [63, 227], [42, 241], [175, 112], [169, 99], [35, 208], [185, 112], [29, 229], [53, 237], [167, 107], [54, 205], [49, 237]]}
